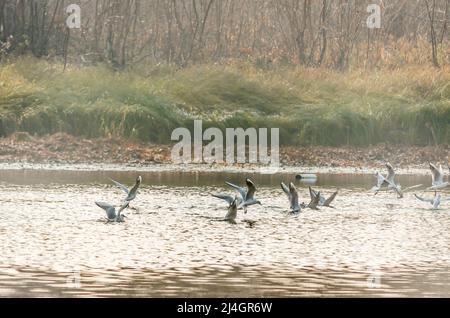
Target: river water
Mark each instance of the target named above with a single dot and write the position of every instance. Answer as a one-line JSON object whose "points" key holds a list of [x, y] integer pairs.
{"points": [[55, 242]]}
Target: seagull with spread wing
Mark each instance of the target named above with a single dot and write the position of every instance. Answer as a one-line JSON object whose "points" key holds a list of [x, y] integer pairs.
{"points": [[388, 182], [437, 178], [247, 194], [131, 193], [110, 210]]}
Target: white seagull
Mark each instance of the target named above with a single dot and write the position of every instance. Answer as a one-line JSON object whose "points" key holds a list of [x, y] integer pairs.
{"points": [[384, 181], [292, 195], [131, 194], [111, 211], [247, 194], [437, 178]]}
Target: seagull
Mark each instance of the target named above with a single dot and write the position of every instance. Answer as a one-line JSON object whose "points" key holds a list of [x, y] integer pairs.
{"points": [[383, 181], [390, 181], [228, 198], [246, 194], [292, 195], [437, 177], [111, 211], [435, 201], [322, 200], [131, 194]]}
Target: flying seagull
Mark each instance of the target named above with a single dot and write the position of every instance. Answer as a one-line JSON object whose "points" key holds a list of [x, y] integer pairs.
{"points": [[247, 194], [111, 211], [292, 195], [390, 181], [383, 181], [131, 194], [322, 200], [437, 178], [435, 201]]}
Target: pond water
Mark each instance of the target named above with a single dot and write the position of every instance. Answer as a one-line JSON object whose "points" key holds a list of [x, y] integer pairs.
{"points": [[54, 240]]}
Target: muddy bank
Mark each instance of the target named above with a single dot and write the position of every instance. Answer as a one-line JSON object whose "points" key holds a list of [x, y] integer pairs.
{"points": [[66, 149]]}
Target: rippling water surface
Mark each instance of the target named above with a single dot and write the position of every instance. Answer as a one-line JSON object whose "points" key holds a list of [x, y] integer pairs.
{"points": [[54, 241]]}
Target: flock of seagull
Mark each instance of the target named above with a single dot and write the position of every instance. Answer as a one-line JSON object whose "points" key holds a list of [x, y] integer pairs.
{"points": [[246, 195], [388, 183]]}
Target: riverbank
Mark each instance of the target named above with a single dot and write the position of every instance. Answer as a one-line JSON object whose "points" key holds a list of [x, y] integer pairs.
{"points": [[22, 148], [311, 107]]}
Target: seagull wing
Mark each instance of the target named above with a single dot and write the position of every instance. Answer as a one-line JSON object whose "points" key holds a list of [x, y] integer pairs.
{"points": [[225, 197], [251, 189], [109, 209], [380, 180], [314, 200], [123, 207], [436, 174], [242, 191], [312, 194], [286, 190], [121, 186], [330, 199], [391, 173], [423, 199], [132, 193]]}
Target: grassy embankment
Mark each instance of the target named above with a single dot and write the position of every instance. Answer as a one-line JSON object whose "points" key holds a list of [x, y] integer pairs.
{"points": [[311, 106]]}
